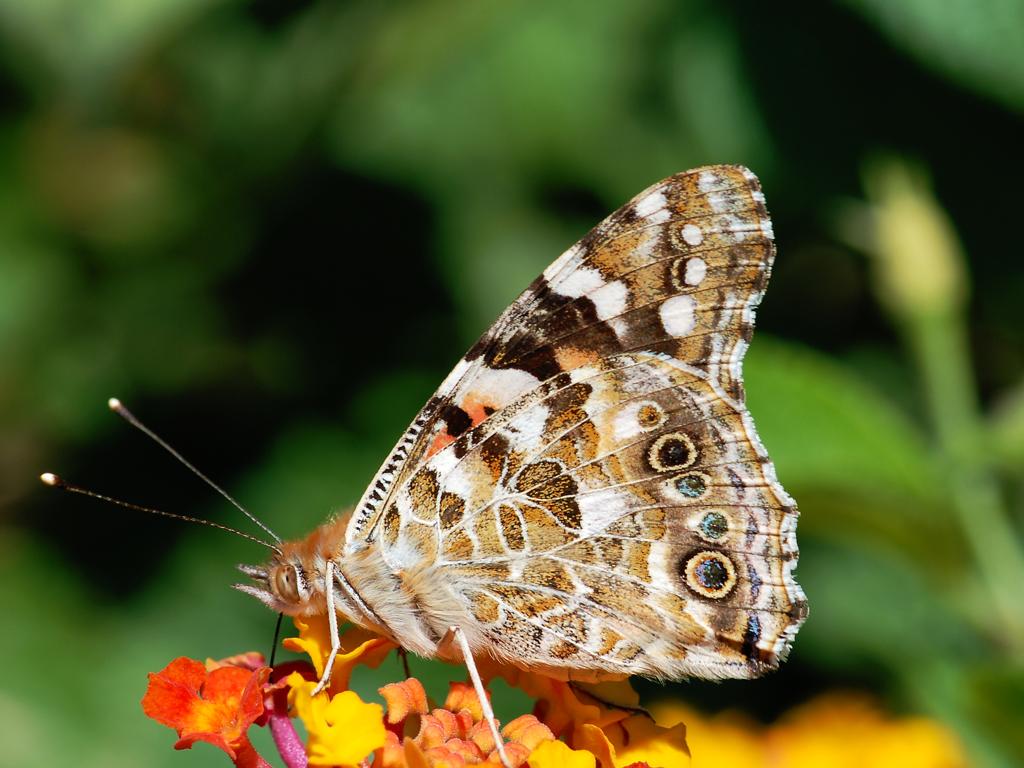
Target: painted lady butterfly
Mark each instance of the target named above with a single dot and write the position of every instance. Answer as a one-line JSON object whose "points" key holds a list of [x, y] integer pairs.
{"points": [[585, 495]]}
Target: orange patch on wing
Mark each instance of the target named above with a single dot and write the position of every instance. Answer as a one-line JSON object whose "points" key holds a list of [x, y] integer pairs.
{"points": [[477, 410], [440, 441], [570, 358]]}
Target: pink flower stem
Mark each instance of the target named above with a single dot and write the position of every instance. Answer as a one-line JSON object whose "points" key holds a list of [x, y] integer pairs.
{"points": [[287, 740]]}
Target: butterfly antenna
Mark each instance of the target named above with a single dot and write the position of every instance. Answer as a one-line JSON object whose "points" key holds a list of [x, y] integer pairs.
{"points": [[118, 407], [55, 481]]}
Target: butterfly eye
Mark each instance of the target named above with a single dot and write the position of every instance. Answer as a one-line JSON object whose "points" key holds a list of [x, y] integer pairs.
{"points": [[286, 583]]}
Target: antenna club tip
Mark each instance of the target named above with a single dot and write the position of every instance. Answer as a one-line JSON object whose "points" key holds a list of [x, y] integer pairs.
{"points": [[114, 404], [48, 478]]}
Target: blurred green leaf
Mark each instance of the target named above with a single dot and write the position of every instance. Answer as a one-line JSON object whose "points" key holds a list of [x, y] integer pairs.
{"points": [[857, 465], [81, 46], [713, 99], [977, 43], [480, 78], [852, 591], [1007, 429]]}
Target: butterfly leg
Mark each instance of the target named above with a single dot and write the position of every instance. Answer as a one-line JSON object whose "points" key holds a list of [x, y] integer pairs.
{"points": [[485, 704], [332, 619]]}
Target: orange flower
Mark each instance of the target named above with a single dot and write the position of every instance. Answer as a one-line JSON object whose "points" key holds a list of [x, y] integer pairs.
{"points": [[564, 707], [451, 736], [603, 719], [216, 706]]}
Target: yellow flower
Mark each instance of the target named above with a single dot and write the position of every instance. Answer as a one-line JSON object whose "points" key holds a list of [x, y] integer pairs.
{"points": [[556, 754], [837, 730], [357, 647], [342, 730], [637, 739], [728, 739], [848, 732]]}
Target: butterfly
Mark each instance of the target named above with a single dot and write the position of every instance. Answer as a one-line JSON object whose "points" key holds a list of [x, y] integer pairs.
{"points": [[585, 495]]}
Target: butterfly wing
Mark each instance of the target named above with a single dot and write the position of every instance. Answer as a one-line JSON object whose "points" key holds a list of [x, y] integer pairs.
{"points": [[602, 504]]}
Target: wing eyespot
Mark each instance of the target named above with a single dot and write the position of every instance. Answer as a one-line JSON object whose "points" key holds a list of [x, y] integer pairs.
{"points": [[650, 416], [692, 486], [710, 574], [713, 526], [672, 452]]}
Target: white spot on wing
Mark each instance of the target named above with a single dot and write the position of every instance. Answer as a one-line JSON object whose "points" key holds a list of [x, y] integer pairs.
{"points": [[692, 234], [707, 181], [443, 462], [578, 282], [610, 299], [529, 427], [696, 269], [625, 424], [459, 478], [620, 325], [626, 421], [499, 387], [601, 508], [644, 207], [453, 378], [677, 315]]}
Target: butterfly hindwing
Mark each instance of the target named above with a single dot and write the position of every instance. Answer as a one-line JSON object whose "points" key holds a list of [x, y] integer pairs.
{"points": [[573, 525]]}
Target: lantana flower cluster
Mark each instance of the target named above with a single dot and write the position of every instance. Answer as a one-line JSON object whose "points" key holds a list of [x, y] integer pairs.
{"points": [[219, 701]]}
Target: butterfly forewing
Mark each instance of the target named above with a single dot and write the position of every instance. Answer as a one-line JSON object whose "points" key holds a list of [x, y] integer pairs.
{"points": [[587, 483]]}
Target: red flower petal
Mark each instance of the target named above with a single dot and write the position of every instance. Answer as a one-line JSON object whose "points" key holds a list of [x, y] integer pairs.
{"points": [[217, 706], [172, 692]]}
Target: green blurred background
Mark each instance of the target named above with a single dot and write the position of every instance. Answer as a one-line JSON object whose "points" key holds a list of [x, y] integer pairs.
{"points": [[271, 227]]}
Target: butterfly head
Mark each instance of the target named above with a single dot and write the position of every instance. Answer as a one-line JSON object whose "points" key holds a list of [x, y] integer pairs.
{"points": [[292, 581], [282, 584]]}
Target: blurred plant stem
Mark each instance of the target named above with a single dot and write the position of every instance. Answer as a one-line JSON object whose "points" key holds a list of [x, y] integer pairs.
{"points": [[922, 281]]}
